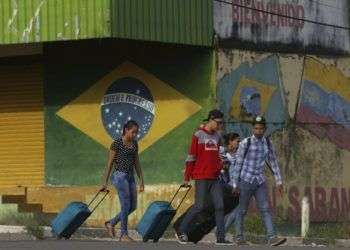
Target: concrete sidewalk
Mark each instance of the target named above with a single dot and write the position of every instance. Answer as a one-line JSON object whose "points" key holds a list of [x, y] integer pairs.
{"points": [[17, 233]]}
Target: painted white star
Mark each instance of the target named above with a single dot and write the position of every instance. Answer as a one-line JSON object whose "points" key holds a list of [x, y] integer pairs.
{"points": [[129, 118], [107, 110], [118, 125], [138, 136], [113, 123], [120, 114], [110, 125]]}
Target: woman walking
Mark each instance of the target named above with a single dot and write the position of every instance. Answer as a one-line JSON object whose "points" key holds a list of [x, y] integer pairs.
{"points": [[123, 160]]}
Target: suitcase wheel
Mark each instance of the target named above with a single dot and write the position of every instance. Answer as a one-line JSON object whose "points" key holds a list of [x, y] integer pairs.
{"points": [[155, 240], [144, 239]]}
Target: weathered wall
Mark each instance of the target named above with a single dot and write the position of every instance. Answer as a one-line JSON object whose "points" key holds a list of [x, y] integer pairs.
{"points": [[306, 101], [53, 200], [88, 90], [93, 89], [283, 25]]}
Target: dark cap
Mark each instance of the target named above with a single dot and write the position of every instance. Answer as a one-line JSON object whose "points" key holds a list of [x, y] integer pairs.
{"points": [[215, 114], [259, 120]]}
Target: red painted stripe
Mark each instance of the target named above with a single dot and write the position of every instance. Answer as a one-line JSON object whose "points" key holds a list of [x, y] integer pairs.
{"points": [[323, 127]]}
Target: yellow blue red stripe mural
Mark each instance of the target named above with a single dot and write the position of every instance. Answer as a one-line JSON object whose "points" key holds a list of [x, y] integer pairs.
{"points": [[324, 106]]}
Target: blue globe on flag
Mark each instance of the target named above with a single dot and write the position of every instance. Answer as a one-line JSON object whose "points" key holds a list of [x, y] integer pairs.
{"points": [[127, 99]]}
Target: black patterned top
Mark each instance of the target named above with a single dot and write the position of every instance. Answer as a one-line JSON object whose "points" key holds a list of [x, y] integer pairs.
{"points": [[125, 157]]}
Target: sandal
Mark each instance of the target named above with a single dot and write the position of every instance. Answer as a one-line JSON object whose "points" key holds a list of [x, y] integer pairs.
{"points": [[110, 229]]}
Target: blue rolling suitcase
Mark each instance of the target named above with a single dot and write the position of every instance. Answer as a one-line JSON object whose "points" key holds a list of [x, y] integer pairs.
{"points": [[157, 218], [72, 217]]}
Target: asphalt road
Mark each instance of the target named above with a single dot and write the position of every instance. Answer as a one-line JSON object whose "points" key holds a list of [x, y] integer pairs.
{"points": [[109, 245]]}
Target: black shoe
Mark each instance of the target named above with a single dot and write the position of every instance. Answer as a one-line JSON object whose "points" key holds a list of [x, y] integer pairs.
{"points": [[182, 238], [276, 241], [241, 242], [223, 242]]}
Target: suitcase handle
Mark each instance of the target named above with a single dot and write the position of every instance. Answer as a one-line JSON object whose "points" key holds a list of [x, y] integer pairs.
{"points": [[93, 199], [183, 198]]}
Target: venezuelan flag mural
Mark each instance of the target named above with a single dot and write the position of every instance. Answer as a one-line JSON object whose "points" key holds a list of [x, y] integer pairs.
{"points": [[324, 107]]}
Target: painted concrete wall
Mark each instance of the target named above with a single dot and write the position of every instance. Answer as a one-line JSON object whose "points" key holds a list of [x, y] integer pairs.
{"points": [[91, 89], [306, 101], [53, 201], [277, 24]]}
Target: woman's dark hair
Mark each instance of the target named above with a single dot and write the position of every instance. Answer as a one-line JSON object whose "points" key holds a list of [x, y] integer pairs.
{"points": [[129, 125], [230, 137]]}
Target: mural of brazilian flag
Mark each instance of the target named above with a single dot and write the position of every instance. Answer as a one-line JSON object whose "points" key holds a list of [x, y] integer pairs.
{"points": [[252, 90], [93, 88]]}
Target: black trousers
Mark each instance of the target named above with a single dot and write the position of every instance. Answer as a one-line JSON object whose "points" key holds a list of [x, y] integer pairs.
{"points": [[207, 191]]}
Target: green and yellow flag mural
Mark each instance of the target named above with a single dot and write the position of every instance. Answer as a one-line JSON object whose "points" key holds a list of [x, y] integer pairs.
{"points": [[87, 104], [170, 108]]}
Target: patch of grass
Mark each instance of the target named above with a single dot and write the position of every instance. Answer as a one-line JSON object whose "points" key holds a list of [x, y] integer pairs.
{"points": [[283, 225], [35, 230], [33, 223], [14, 218], [253, 224], [329, 231]]}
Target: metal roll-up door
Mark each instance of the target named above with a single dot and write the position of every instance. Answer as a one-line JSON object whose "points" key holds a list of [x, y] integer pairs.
{"points": [[21, 126]]}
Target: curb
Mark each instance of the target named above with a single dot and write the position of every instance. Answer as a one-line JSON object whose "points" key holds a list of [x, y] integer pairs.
{"points": [[12, 233], [342, 243]]}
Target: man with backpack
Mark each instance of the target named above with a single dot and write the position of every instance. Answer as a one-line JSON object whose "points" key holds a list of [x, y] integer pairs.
{"points": [[248, 179]]}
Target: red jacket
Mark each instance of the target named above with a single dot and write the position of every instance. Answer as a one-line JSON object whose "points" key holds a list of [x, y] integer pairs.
{"points": [[203, 161]]}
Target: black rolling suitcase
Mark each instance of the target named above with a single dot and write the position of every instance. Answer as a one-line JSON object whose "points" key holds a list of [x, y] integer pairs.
{"points": [[204, 222]]}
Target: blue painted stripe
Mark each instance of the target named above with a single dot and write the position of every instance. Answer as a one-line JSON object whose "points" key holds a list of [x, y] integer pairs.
{"points": [[327, 104]]}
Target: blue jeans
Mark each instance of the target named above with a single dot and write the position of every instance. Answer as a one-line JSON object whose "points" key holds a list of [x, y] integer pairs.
{"points": [[230, 219], [259, 191], [126, 186]]}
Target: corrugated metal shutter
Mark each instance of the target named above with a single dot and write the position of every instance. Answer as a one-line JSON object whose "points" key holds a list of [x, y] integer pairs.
{"points": [[21, 126]]}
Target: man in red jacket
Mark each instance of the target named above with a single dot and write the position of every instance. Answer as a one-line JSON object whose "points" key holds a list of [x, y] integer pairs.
{"points": [[203, 165]]}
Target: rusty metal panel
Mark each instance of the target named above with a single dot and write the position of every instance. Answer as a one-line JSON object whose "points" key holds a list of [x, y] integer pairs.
{"points": [[171, 21], [26, 21]]}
